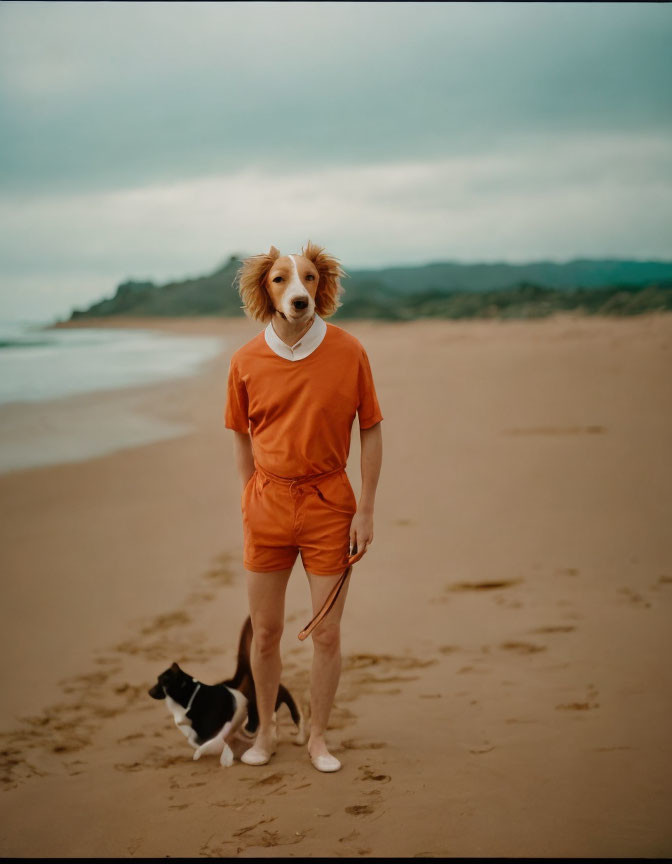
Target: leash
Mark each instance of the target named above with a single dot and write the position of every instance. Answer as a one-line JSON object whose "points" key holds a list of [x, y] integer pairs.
{"points": [[333, 594]]}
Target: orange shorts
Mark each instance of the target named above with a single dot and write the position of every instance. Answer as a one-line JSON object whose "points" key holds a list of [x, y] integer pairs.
{"points": [[283, 517]]}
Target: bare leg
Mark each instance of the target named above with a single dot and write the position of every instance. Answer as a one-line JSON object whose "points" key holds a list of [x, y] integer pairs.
{"points": [[266, 593], [326, 669]]}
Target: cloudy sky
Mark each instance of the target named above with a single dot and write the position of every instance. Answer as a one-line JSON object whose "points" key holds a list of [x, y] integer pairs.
{"points": [[153, 140]]}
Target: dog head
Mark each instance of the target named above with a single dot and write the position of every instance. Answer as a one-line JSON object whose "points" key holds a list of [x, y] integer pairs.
{"points": [[295, 285], [174, 683]]}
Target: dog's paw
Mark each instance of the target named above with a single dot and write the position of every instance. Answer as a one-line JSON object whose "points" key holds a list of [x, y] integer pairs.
{"points": [[213, 746], [226, 759]]}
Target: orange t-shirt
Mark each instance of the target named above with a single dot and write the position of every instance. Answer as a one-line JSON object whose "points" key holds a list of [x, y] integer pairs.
{"points": [[299, 413]]}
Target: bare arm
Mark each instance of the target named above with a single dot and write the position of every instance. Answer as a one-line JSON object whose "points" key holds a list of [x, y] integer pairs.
{"points": [[361, 529], [242, 446]]}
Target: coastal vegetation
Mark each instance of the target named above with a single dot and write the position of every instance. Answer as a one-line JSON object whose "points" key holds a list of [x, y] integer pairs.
{"points": [[438, 290]]}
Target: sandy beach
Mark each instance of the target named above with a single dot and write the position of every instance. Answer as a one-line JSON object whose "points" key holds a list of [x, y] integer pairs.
{"points": [[506, 686]]}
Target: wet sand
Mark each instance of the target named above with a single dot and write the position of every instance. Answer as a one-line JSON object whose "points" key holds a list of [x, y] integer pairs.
{"points": [[506, 685]]}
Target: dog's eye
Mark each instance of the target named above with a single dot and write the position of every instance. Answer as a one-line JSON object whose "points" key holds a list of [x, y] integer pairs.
{"points": [[277, 278], [310, 276]]}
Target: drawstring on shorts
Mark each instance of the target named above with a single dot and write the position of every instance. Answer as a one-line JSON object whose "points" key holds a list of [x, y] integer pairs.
{"points": [[298, 482]]}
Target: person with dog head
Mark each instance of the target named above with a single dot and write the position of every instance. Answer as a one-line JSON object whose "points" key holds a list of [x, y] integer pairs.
{"points": [[293, 392]]}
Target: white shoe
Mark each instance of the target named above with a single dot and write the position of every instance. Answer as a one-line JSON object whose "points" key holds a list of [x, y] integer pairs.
{"points": [[256, 756], [327, 763]]}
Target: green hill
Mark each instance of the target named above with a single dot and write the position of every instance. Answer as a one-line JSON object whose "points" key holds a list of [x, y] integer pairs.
{"points": [[442, 289]]}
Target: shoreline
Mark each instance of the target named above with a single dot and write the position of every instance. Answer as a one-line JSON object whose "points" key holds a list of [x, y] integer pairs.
{"points": [[505, 683], [39, 432]]}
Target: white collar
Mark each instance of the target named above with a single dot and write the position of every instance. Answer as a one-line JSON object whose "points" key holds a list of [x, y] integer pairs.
{"points": [[306, 344]]}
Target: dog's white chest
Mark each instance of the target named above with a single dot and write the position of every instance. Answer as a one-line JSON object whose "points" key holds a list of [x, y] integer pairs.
{"points": [[217, 744], [182, 722]]}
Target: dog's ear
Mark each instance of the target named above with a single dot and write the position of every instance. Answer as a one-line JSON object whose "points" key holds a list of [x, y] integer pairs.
{"points": [[175, 668], [329, 289], [251, 279]]}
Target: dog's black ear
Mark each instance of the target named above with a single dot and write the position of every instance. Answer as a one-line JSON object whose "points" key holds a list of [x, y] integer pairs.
{"points": [[157, 692]]}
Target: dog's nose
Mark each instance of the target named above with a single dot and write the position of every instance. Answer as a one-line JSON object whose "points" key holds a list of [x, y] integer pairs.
{"points": [[299, 304]]}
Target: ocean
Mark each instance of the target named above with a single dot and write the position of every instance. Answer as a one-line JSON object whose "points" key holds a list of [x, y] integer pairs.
{"points": [[40, 368], [38, 364]]}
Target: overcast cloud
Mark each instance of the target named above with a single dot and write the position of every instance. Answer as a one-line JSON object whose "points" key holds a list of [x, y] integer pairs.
{"points": [[154, 140]]}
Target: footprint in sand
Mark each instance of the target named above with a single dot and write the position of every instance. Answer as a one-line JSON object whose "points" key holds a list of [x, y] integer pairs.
{"points": [[340, 717], [359, 810], [81, 683], [362, 661], [522, 647], [242, 831], [489, 585], [387, 679], [199, 598], [213, 850], [556, 628], [132, 737], [157, 758], [353, 744], [267, 838], [73, 768], [165, 622], [221, 573], [368, 774], [271, 779], [448, 649], [587, 705], [108, 661], [387, 666], [634, 598]]}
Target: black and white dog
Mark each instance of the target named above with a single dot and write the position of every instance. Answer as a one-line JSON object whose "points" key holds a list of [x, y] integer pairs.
{"points": [[210, 715]]}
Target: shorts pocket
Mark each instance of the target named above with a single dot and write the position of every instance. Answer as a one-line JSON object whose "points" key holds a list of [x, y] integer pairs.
{"points": [[247, 486], [344, 496], [351, 494]]}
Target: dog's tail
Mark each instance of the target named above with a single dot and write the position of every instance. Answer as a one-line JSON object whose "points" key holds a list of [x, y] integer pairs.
{"points": [[243, 673], [284, 696]]}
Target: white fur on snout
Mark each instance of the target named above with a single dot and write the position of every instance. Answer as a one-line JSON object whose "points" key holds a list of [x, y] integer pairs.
{"points": [[296, 290]]}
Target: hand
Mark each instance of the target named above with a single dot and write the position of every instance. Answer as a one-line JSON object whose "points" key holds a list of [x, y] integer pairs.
{"points": [[361, 530]]}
